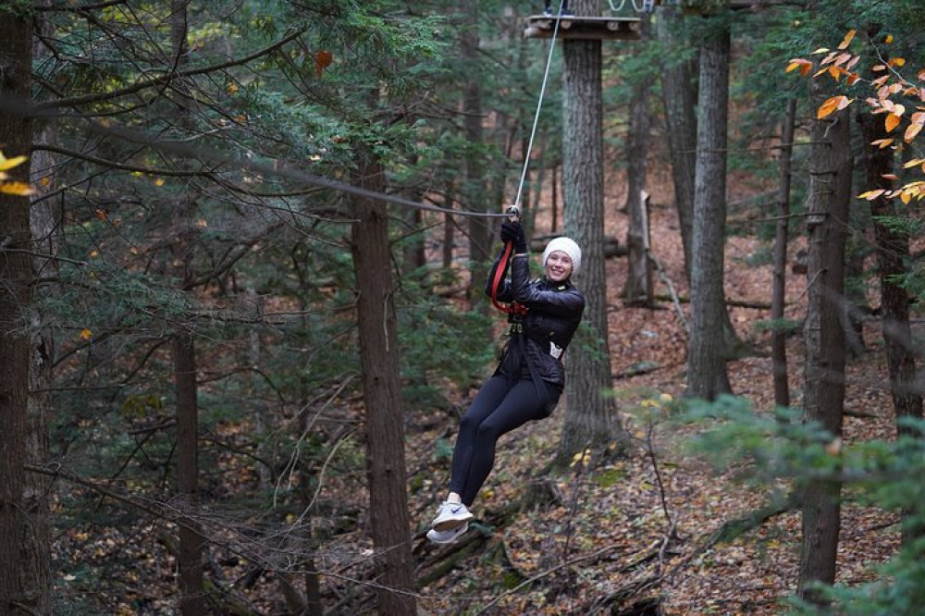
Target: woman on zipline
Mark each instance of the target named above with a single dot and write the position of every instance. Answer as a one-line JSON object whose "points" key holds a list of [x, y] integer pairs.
{"points": [[528, 381]]}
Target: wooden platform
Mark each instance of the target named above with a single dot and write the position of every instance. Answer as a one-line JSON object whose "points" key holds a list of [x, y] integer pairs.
{"points": [[583, 27]]}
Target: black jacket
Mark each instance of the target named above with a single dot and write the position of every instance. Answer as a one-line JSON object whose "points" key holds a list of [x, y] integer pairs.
{"points": [[555, 311]]}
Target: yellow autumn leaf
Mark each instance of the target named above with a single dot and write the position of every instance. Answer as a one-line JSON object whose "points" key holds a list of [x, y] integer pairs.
{"points": [[821, 50], [888, 39], [9, 163], [85, 334], [847, 40], [915, 162], [882, 143], [891, 122], [870, 195], [897, 62], [159, 182], [906, 196], [20, 189]]}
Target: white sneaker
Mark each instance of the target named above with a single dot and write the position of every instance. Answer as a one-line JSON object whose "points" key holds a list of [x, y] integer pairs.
{"points": [[447, 536], [450, 516]]}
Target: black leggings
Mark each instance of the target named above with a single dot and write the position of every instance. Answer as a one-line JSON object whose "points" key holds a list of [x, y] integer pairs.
{"points": [[500, 406]]}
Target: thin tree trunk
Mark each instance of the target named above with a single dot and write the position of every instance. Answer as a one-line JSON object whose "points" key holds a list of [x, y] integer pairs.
{"points": [[385, 452], [706, 360], [591, 418], [824, 388], [18, 595], [679, 93], [778, 334], [449, 227], [192, 597], [892, 246], [555, 199], [474, 194], [190, 559], [639, 289]]}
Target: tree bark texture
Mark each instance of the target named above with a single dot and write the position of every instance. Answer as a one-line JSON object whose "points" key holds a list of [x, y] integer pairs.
{"points": [[824, 387], [779, 285], [17, 594], [474, 193], [191, 546], [639, 289], [679, 93], [591, 418], [385, 452], [706, 361], [192, 595]]}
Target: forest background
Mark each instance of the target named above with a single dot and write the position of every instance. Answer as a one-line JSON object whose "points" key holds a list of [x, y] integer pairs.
{"points": [[232, 369]]}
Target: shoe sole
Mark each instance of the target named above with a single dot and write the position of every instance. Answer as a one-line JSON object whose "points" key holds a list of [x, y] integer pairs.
{"points": [[446, 525]]}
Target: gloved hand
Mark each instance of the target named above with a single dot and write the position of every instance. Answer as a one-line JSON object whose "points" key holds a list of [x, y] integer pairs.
{"points": [[513, 232]]}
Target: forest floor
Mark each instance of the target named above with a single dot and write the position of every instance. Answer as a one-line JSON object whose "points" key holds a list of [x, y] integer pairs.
{"points": [[608, 542]]}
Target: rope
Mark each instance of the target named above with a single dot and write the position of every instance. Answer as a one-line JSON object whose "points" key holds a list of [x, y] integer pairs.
{"points": [[539, 107]]}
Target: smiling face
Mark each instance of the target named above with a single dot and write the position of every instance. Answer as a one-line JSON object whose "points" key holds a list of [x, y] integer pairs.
{"points": [[558, 266]]}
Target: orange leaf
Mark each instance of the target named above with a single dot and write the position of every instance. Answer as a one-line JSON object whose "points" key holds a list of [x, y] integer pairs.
{"points": [[792, 66], [852, 78], [906, 196], [897, 61], [892, 121], [847, 40], [882, 143], [806, 68], [85, 334], [835, 72], [323, 60], [829, 106], [911, 131], [20, 189]]}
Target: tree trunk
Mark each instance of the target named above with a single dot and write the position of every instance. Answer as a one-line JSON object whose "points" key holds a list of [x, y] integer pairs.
{"points": [[591, 418], [44, 220], [449, 227], [679, 93], [190, 560], [385, 452], [824, 388], [892, 246], [192, 597], [474, 193], [555, 200], [18, 594], [778, 334], [706, 361], [639, 289]]}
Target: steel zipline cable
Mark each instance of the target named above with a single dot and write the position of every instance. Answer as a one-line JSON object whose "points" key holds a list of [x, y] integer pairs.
{"points": [[539, 108]]}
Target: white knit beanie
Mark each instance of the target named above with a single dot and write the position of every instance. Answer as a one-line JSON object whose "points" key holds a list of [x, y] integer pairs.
{"points": [[566, 245]]}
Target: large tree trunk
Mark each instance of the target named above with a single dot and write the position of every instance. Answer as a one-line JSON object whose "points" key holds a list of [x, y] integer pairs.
{"points": [[385, 452], [18, 594], [892, 246], [474, 192], [679, 93], [824, 387], [44, 219], [591, 418], [639, 289], [779, 287], [192, 545], [706, 361]]}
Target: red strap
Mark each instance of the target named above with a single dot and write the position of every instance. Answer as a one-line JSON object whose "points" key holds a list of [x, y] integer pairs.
{"points": [[513, 308]]}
